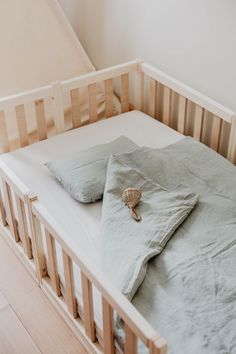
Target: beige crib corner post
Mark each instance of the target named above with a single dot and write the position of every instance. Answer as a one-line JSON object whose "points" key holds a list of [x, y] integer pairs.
{"points": [[37, 242], [231, 155], [58, 107], [139, 87], [159, 346]]}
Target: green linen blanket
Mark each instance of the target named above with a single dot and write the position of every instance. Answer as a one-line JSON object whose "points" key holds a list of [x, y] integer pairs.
{"points": [[188, 291]]}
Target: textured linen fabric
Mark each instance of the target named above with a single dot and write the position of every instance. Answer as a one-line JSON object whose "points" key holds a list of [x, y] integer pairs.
{"points": [[189, 291], [161, 211], [83, 174]]}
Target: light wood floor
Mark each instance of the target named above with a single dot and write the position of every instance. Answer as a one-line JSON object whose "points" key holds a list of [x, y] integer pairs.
{"points": [[28, 322]]}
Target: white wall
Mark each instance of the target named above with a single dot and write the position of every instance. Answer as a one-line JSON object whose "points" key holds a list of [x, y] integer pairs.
{"points": [[193, 40]]}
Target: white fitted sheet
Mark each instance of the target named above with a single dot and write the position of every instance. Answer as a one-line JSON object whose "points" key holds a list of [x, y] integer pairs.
{"points": [[80, 221]]}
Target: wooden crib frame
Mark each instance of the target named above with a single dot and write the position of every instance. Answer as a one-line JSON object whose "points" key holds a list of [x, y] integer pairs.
{"points": [[25, 221]]}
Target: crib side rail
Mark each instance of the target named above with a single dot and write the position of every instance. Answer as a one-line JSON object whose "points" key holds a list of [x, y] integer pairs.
{"points": [[186, 110], [38, 114], [135, 326]]}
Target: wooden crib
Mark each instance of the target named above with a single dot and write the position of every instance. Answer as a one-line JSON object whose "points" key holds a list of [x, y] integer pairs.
{"points": [[141, 87]]}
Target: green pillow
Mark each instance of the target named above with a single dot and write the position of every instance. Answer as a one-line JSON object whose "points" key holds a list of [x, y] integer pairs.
{"points": [[83, 174]]}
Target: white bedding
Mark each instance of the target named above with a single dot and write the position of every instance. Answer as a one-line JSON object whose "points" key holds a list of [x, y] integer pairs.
{"points": [[78, 220]]}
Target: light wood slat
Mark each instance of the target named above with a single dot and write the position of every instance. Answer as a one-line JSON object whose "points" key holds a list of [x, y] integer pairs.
{"points": [[69, 285], [38, 249], [166, 105], [151, 97], [88, 307], [109, 107], [139, 91], [21, 125], [75, 108], [22, 228], [11, 219], [215, 133], [58, 107], [4, 142], [182, 114], [92, 92], [2, 211], [41, 119], [124, 93], [231, 154], [130, 341], [198, 123], [52, 263], [108, 328]]}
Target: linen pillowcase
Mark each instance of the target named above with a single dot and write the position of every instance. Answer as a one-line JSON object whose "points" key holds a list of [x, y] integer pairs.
{"points": [[83, 174], [126, 246]]}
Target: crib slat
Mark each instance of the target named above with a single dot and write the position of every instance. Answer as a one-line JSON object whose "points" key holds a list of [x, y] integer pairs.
{"points": [[139, 91], [109, 108], [166, 105], [92, 91], [69, 285], [4, 142], [88, 307], [182, 114], [41, 119], [21, 125], [151, 97], [231, 154], [75, 108], [22, 228], [130, 341], [38, 248], [108, 327], [11, 219], [58, 107], [215, 133], [52, 263], [2, 212], [198, 123], [124, 93]]}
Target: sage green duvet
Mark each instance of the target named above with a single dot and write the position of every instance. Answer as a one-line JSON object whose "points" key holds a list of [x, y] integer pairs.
{"points": [[188, 291]]}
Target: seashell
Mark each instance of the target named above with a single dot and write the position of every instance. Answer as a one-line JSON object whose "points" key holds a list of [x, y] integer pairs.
{"points": [[131, 197]]}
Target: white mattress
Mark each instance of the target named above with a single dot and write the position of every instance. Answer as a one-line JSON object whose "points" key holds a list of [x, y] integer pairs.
{"points": [[81, 221]]}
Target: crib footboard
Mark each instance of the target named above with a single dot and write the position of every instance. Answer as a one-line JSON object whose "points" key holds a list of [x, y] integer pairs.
{"points": [[61, 288]]}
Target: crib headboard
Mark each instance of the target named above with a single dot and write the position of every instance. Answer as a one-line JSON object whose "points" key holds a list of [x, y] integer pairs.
{"points": [[38, 114], [187, 110]]}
